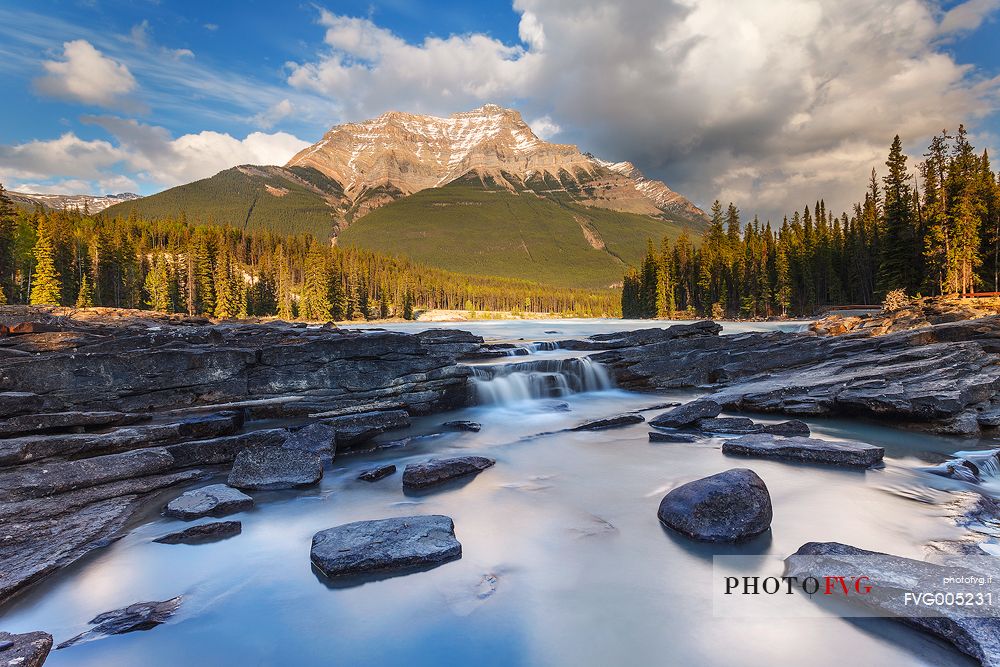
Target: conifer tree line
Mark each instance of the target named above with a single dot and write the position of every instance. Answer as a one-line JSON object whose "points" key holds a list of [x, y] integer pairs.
{"points": [[930, 230], [70, 258]]}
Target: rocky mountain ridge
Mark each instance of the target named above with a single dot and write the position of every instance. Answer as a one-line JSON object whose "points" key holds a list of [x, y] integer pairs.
{"points": [[91, 203]]}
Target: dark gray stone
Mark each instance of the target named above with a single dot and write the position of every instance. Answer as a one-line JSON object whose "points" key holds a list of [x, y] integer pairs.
{"points": [[319, 438], [664, 436], [216, 451], [213, 500], [462, 425], [610, 422], [203, 532], [728, 507], [385, 545], [267, 468], [375, 474], [24, 650], [437, 471], [63, 421], [138, 616], [354, 430], [688, 413], [787, 428], [808, 450], [727, 425]]}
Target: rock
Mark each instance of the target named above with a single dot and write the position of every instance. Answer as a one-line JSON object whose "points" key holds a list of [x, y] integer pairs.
{"points": [[24, 650], [318, 438], [375, 474], [437, 471], [460, 425], [356, 429], [688, 413], [555, 406], [728, 507], [217, 451], [662, 436], [63, 421], [808, 450], [139, 616], [787, 428], [213, 500], [203, 532], [610, 422], [963, 471], [268, 468], [385, 545], [972, 633], [652, 336], [727, 425]]}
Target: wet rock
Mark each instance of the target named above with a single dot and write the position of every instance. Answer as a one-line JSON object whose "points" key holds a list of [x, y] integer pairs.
{"points": [[216, 451], [728, 425], [807, 450], [63, 421], [211, 425], [976, 635], [385, 545], [963, 471], [24, 650], [787, 428], [728, 507], [203, 532], [556, 406], [438, 471], [688, 413], [461, 425], [664, 436], [626, 339], [139, 616], [375, 474], [318, 438], [213, 500], [610, 422], [268, 468], [356, 429], [19, 402]]}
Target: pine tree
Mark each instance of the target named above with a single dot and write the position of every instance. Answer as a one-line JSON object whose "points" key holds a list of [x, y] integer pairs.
{"points": [[7, 227], [227, 294], [157, 286], [85, 298], [900, 251], [408, 302], [316, 291], [46, 285]]}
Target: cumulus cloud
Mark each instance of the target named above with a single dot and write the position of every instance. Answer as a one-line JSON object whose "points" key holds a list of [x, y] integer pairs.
{"points": [[86, 75], [768, 102], [277, 112], [544, 127]]}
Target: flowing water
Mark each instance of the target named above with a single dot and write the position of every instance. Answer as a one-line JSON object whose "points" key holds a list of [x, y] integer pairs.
{"points": [[564, 561]]}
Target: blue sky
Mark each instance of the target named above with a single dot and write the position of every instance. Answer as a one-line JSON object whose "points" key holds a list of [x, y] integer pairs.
{"points": [[766, 102]]}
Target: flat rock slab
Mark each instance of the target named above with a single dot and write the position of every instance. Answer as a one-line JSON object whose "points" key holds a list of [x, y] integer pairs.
{"points": [[787, 428], [610, 422], [375, 474], [728, 507], [688, 413], [267, 468], [728, 425], [214, 500], [138, 616], [385, 545], [438, 471], [461, 425], [353, 430], [318, 438], [203, 532], [24, 650], [974, 633], [808, 450], [660, 436]]}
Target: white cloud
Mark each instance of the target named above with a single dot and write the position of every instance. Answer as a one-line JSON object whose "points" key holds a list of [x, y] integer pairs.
{"points": [[277, 112], [967, 16], [544, 127], [67, 156], [86, 75]]}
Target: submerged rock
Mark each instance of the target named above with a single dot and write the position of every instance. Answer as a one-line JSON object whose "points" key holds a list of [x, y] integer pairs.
{"points": [[961, 470], [610, 422], [688, 413], [728, 425], [203, 532], [138, 616], [663, 436], [265, 468], [214, 500], [375, 474], [973, 633], [438, 471], [24, 650], [808, 450], [728, 507], [385, 545], [462, 425]]}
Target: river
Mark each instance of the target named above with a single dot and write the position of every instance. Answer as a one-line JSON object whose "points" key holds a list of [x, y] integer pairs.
{"points": [[564, 561]]}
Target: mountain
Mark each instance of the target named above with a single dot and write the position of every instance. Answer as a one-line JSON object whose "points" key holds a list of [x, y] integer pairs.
{"points": [[92, 203], [476, 192]]}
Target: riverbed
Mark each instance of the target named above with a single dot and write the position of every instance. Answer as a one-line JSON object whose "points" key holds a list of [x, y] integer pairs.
{"points": [[564, 561]]}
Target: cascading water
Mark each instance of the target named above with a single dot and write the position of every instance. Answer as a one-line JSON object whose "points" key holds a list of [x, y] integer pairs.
{"points": [[531, 348], [548, 378]]}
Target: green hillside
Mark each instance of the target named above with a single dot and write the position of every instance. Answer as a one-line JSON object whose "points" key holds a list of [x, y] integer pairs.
{"points": [[465, 228], [289, 201]]}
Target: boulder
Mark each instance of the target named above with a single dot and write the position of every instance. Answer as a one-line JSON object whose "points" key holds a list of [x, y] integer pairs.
{"points": [[727, 425], [808, 450], [28, 649], [385, 545], [963, 471], [973, 632], [727, 507], [268, 468], [138, 616], [688, 413], [462, 425], [203, 532], [214, 500], [375, 474], [356, 429], [216, 451], [664, 436], [610, 422], [318, 438], [438, 471], [787, 428]]}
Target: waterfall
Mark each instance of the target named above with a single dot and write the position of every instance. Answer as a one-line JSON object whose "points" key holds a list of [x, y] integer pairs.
{"points": [[987, 462], [531, 348], [549, 378]]}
